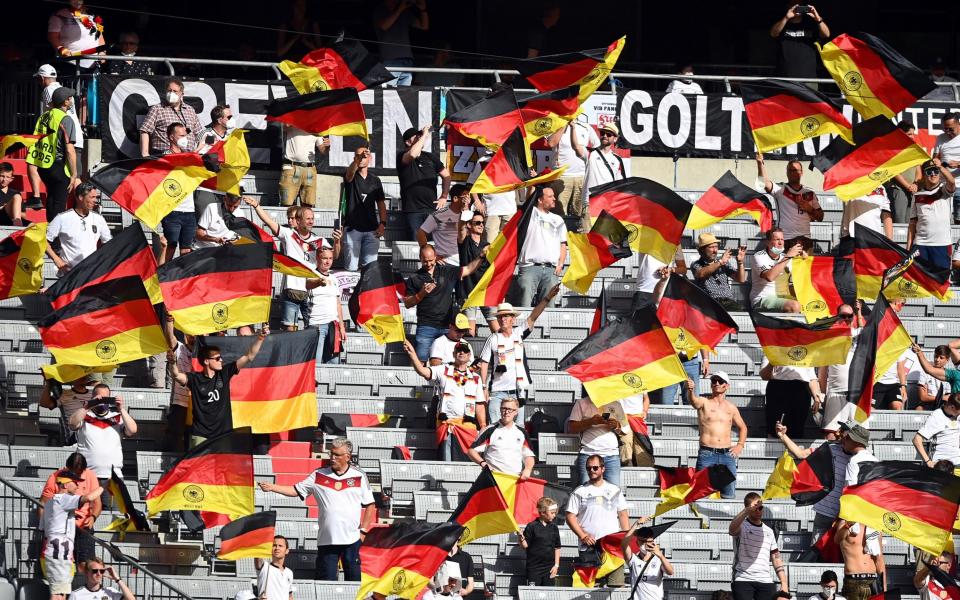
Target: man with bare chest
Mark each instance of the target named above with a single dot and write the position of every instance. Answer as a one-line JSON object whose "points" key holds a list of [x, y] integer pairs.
{"points": [[717, 416], [864, 571]]}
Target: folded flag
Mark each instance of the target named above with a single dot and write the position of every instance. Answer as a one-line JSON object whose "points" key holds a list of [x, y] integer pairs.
{"points": [[791, 343], [399, 560], [509, 169], [522, 496], [15, 142], [683, 485], [234, 160], [653, 214], [874, 78], [881, 342], [728, 198], [626, 357], [807, 481], [345, 64], [881, 151], [606, 243], [375, 305], [490, 120], [587, 69], [464, 435], [545, 114], [781, 113], [907, 500], [874, 255], [330, 112], [691, 318], [248, 537], [337, 423], [248, 231], [822, 283], [21, 261], [483, 511], [133, 519], [216, 476]]}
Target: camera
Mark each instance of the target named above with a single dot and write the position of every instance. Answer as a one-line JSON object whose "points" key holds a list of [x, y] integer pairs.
{"points": [[803, 9], [500, 369], [101, 407]]}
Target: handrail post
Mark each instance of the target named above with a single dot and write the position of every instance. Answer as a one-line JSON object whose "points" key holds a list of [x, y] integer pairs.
{"points": [[170, 68]]}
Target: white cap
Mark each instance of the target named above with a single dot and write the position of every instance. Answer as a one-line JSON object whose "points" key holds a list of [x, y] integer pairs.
{"points": [[46, 71], [722, 375]]}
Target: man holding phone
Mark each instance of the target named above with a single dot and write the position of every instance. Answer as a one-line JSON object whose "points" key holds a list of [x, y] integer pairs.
{"points": [[797, 32], [713, 274]]}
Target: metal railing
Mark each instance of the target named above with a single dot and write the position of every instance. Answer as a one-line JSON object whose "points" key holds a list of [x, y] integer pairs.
{"points": [[21, 538]]}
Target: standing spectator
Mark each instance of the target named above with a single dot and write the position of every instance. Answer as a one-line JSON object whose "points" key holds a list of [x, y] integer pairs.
{"points": [[274, 578], [652, 274], [153, 130], [497, 208], [210, 388], [442, 350], [298, 175], [443, 226], [792, 393], [48, 80], [472, 244], [797, 33], [366, 218], [684, 85], [326, 311], [864, 568], [11, 200], [901, 188], [769, 265], [465, 562], [418, 172], [713, 274], [572, 149], [73, 30], [504, 445], [871, 211], [392, 21], [346, 507], [797, 205], [755, 549], [85, 515], [541, 540], [177, 436], [634, 452], [649, 565], [221, 123], [71, 399], [600, 430], [503, 361], [544, 251], [53, 158], [716, 418], [951, 376], [129, 43], [930, 391], [603, 166], [938, 73], [100, 432], [79, 230], [857, 437], [180, 225], [941, 431], [929, 230], [540, 36], [595, 509], [59, 530], [834, 379], [828, 587], [94, 589], [947, 149]]}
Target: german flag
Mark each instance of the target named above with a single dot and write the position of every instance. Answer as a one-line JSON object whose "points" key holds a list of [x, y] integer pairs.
{"points": [[127, 254], [248, 537], [337, 423], [806, 481], [611, 551], [291, 266], [277, 391], [215, 289], [150, 188], [522, 496], [400, 560], [15, 142], [70, 373], [781, 113], [483, 511], [881, 152], [641, 432], [906, 500], [345, 64], [587, 69], [234, 159], [464, 434], [331, 112], [134, 520], [21, 261], [490, 120], [683, 485], [600, 313], [653, 214], [248, 231], [794, 344], [822, 284], [728, 198], [585, 576], [106, 324], [691, 318], [216, 476], [874, 78], [375, 305], [880, 343], [545, 114], [874, 255], [941, 584], [606, 243], [509, 169], [626, 357]]}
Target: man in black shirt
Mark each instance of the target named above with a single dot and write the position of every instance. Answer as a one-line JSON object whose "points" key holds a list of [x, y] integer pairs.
{"points": [[465, 561], [418, 172], [472, 243], [797, 31], [366, 211], [210, 388]]}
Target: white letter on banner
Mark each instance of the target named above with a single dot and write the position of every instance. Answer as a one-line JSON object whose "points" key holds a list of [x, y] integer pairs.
{"points": [[702, 141], [735, 106], [125, 89], [208, 99], [395, 118], [233, 92], [640, 132], [670, 139]]}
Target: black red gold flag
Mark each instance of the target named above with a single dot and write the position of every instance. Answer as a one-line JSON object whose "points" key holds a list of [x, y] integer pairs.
{"points": [[781, 113], [874, 256], [248, 537], [330, 112], [691, 318], [21, 261], [600, 313], [807, 481], [547, 113], [787, 342], [728, 198], [522, 496], [881, 342], [490, 120], [605, 243], [133, 519], [683, 485], [14, 142], [464, 435], [400, 559], [234, 160], [509, 169], [337, 423], [940, 584], [483, 511], [587, 69], [822, 283], [344, 64], [375, 304]]}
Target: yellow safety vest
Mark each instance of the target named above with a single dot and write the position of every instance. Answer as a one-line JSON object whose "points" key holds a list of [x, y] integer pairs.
{"points": [[44, 151]]}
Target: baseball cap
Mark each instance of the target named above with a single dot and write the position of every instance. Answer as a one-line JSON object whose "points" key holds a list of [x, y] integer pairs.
{"points": [[461, 321], [722, 375], [856, 432], [612, 128], [60, 95], [705, 239], [928, 165], [410, 133], [46, 71]]}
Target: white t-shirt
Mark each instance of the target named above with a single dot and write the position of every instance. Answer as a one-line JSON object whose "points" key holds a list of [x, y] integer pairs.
{"points": [[651, 584], [752, 550], [890, 376], [59, 526], [597, 507], [793, 221], [442, 225], [72, 401], [300, 146], [867, 211], [459, 392], [684, 87], [943, 433], [789, 373], [853, 466], [647, 278], [838, 375], [566, 155], [508, 351], [78, 235], [603, 167], [100, 442], [933, 384], [442, 348], [46, 97], [632, 405], [303, 249], [545, 234], [759, 287], [273, 583], [848, 412], [181, 393], [74, 36], [933, 211], [948, 148], [503, 447], [212, 221], [104, 593], [339, 500], [324, 300], [501, 204], [597, 440]]}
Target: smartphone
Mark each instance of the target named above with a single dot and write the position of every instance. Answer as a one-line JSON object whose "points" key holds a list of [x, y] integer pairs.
{"points": [[605, 415], [336, 223], [491, 587], [803, 9]]}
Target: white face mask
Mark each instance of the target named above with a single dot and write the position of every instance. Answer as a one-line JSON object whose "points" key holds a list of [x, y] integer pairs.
{"points": [[231, 123], [828, 591], [128, 53], [183, 143], [173, 97]]}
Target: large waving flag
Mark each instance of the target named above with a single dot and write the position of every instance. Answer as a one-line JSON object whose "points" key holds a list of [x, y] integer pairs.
{"points": [[822, 284], [509, 169], [587, 69], [606, 243], [522, 496], [345, 64], [692, 319], [14, 142], [106, 324], [234, 160], [874, 255], [882, 151], [781, 113], [881, 342], [150, 188], [248, 537], [483, 511], [490, 120], [375, 304], [399, 560], [653, 213], [547, 113], [683, 485], [876, 79], [807, 481], [277, 391], [907, 500], [21, 261], [216, 476], [331, 112], [791, 343], [626, 357], [728, 198]]}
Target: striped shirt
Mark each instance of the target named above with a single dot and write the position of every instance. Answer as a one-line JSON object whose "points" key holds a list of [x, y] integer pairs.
{"points": [[160, 116], [751, 552], [829, 506]]}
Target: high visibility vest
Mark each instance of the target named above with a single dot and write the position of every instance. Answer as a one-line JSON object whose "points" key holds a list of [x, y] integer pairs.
{"points": [[44, 151]]}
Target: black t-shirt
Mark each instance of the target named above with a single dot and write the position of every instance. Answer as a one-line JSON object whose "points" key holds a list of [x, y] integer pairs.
{"points": [[211, 401], [362, 197], [542, 540], [797, 56], [436, 307], [418, 182], [5, 198], [466, 563], [469, 251]]}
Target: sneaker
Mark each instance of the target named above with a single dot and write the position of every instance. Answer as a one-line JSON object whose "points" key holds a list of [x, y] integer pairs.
{"points": [[34, 203]]}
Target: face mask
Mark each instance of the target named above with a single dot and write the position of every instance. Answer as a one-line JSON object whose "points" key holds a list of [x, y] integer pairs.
{"points": [[686, 77], [828, 592], [776, 251], [183, 143], [231, 123], [173, 97], [128, 53]]}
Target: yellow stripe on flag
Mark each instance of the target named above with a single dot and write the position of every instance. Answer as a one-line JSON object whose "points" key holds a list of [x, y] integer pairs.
{"points": [[771, 137], [652, 376], [132, 344], [890, 351], [386, 328], [276, 415], [846, 73], [220, 316], [160, 202], [480, 290], [780, 480], [916, 533], [305, 79], [814, 305], [70, 373], [599, 74], [584, 263], [229, 499], [684, 341], [903, 160], [236, 163], [832, 351], [395, 582], [32, 249]]}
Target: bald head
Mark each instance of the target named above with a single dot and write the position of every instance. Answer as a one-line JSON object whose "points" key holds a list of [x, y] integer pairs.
{"points": [[428, 257]]}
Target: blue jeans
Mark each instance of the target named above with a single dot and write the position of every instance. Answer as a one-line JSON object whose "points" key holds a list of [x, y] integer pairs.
{"points": [[424, 338], [324, 330], [935, 255], [360, 247], [534, 282], [674, 394], [956, 206], [290, 308], [414, 221], [446, 448], [611, 471], [404, 78], [180, 229], [493, 407], [329, 556], [707, 458]]}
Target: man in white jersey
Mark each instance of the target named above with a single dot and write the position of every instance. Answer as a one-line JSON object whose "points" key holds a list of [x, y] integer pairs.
{"points": [[59, 530], [942, 432], [797, 205], [648, 565], [274, 579], [94, 589]]}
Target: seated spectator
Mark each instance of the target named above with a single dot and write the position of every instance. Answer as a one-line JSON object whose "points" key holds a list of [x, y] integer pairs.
{"points": [[541, 540], [941, 431], [53, 159], [929, 230], [172, 109], [86, 515], [716, 418], [212, 227], [684, 85], [714, 274], [829, 584], [94, 589], [443, 226], [441, 352], [503, 445], [11, 200], [769, 265], [790, 394], [365, 220], [648, 565], [59, 532], [930, 391], [600, 430], [274, 578], [797, 204], [544, 251], [871, 211], [129, 43], [221, 123], [100, 432], [180, 225], [465, 562]]}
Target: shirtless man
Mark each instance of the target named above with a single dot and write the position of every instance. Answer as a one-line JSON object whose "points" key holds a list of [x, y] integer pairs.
{"points": [[717, 416], [863, 564]]}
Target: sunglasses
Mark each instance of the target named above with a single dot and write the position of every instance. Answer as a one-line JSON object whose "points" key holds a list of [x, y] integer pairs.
{"points": [[217, 358], [476, 223], [461, 351], [931, 172], [607, 134], [98, 571], [846, 316], [595, 468], [717, 382]]}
